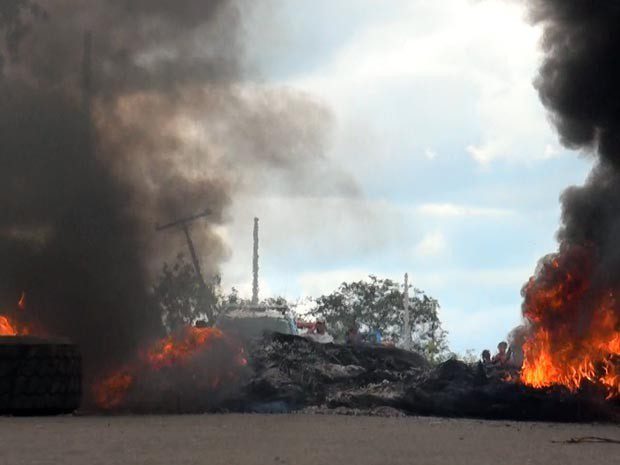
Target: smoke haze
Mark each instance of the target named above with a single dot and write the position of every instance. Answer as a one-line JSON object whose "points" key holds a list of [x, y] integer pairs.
{"points": [[157, 122], [578, 83]]}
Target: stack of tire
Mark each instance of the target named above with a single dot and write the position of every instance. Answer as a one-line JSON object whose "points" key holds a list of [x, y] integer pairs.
{"points": [[39, 376]]}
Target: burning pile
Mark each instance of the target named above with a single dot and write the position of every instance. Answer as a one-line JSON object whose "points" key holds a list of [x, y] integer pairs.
{"points": [[10, 326], [194, 362], [575, 330], [570, 303]]}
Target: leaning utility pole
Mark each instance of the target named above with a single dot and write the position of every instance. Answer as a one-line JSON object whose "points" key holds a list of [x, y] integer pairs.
{"points": [[406, 316], [183, 224], [255, 265]]}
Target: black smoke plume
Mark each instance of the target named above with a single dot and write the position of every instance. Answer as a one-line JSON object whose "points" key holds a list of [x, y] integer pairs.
{"points": [[579, 84], [116, 115]]}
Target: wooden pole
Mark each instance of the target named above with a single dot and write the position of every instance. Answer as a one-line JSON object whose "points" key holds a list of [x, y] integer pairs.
{"points": [[183, 224]]}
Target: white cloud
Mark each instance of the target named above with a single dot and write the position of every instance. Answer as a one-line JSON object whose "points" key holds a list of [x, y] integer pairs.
{"points": [[552, 151], [431, 245], [430, 154], [478, 329], [473, 278], [484, 154], [431, 38], [320, 282], [323, 282], [451, 210], [486, 49]]}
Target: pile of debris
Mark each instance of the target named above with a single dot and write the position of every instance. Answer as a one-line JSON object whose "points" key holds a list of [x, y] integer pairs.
{"points": [[293, 373]]}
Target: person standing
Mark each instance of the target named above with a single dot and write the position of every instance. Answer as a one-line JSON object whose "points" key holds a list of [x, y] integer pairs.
{"points": [[501, 357], [320, 334]]}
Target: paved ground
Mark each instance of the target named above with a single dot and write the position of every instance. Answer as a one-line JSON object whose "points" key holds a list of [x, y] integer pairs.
{"points": [[296, 439]]}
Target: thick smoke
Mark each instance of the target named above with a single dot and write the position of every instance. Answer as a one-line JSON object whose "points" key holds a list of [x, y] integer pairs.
{"points": [[579, 83], [145, 120]]}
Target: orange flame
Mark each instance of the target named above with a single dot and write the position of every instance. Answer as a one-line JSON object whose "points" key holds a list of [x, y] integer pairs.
{"points": [[111, 392], [10, 327], [575, 334], [21, 303], [175, 350], [7, 328]]}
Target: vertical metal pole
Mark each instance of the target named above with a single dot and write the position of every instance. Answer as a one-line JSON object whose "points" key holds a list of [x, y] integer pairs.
{"points": [[406, 316], [255, 265]]}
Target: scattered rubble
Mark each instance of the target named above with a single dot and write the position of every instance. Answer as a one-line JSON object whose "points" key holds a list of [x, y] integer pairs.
{"points": [[291, 373], [298, 373]]}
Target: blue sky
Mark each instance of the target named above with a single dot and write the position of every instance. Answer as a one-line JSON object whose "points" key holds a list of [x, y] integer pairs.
{"points": [[436, 120]]}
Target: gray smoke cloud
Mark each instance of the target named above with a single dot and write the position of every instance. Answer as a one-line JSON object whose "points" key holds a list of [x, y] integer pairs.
{"points": [[162, 124]]}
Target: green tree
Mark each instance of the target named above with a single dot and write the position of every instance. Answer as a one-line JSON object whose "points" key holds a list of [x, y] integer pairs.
{"points": [[378, 304], [179, 296], [232, 299]]}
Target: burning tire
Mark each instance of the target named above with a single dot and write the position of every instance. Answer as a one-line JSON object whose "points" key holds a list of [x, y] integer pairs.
{"points": [[38, 376]]}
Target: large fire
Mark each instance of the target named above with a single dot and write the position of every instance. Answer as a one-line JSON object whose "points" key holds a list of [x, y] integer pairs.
{"points": [[12, 327], [575, 326], [110, 392], [183, 353], [7, 327], [174, 349], [203, 357]]}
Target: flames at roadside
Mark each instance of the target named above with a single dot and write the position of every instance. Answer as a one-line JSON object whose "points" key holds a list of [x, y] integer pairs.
{"points": [[193, 361], [574, 336], [11, 326], [111, 391], [202, 359]]}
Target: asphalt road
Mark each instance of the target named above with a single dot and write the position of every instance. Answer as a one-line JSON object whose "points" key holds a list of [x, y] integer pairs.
{"points": [[296, 439]]}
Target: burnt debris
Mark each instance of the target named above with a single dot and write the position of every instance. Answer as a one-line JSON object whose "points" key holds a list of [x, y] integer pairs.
{"points": [[292, 373], [571, 302]]}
